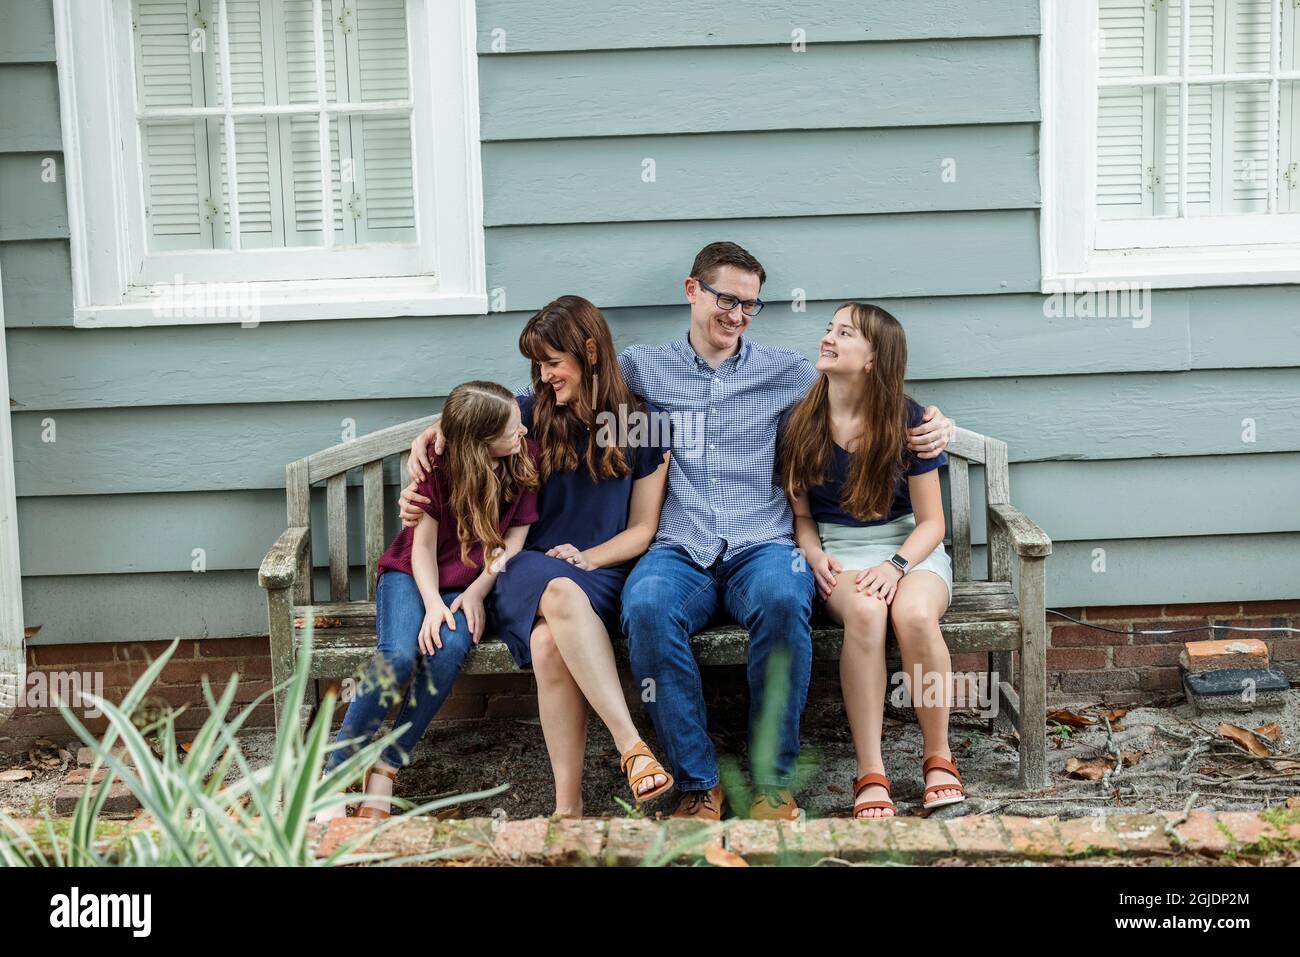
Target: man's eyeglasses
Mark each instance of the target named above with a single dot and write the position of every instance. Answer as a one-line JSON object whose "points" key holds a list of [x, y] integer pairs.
{"points": [[728, 302]]}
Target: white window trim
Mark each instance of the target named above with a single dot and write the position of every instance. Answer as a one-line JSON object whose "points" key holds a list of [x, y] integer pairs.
{"points": [[13, 659], [1069, 225], [103, 189]]}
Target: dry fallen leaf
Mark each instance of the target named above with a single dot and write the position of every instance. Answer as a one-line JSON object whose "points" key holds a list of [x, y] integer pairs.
{"points": [[721, 857], [15, 774], [1272, 730], [1069, 718], [1293, 803], [1244, 738], [1115, 714], [1132, 757], [1093, 770]]}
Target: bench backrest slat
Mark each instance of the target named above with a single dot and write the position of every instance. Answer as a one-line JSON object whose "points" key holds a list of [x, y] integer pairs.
{"points": [[336, 519], [298, 498], [959, 496], [373, 522]]}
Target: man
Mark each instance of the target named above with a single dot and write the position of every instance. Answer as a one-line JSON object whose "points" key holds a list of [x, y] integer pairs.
{"points": [[725, 539]]}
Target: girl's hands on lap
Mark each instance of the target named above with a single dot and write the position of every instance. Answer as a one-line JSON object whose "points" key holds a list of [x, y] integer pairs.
{"points": [[430, 630], [824, 568], [574, 556], [881, 581], [470, 601]]}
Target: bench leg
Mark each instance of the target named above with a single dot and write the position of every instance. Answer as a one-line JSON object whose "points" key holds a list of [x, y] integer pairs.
{"points": [[1033, 673]]}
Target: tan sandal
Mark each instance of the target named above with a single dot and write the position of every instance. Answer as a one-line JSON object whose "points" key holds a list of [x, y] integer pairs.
{"points": [[936, 763], [373, 813], [859, 784], [653, 767]]}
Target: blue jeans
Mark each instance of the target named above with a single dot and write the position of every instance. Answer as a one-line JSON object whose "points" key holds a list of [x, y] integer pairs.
{"points": [[399, 612], [667, 598]]}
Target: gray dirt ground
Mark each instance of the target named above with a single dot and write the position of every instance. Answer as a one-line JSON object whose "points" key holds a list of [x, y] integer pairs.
{"points": [[467, 756]]}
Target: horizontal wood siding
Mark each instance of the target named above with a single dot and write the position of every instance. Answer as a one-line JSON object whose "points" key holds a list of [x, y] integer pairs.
{"points": [[893, 159]]}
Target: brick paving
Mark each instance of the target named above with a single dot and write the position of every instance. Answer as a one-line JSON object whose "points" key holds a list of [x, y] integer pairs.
{"points": [[1196, 838]]}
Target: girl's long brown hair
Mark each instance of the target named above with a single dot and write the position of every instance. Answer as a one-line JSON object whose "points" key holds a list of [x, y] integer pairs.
{"points": [[564, 326], [475, 415], [879, 460]]}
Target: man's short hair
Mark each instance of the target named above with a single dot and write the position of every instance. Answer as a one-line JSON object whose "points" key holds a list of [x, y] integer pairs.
{"points": [[716, 255]]}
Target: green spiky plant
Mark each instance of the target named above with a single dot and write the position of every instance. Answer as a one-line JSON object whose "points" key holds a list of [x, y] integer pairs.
{"points": [[260, 818]]}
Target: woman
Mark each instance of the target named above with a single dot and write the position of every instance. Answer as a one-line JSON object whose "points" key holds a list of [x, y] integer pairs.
{"points": [[433, 578], [557, 602], [869, 518]]}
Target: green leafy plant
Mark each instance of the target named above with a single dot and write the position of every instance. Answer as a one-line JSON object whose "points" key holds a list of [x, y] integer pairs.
{"points": [[261, 817]]}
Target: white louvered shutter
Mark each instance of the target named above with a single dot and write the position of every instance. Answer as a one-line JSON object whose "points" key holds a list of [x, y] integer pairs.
{"points": [[1125, 114], [381, 200], [1288, 186], [1245, 139], [177, 190], [253, 48], [1205, 174], [300, 135]]}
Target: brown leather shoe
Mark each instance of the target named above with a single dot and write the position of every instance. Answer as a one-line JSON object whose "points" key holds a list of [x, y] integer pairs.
{"points": [[774, 806], [701, 805]]}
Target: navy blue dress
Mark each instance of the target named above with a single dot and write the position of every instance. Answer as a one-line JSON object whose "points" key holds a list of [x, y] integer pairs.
{"points": [[573, 510]]}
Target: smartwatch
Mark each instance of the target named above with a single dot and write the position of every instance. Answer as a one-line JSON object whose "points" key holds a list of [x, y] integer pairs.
{"points": [[899, 562]]}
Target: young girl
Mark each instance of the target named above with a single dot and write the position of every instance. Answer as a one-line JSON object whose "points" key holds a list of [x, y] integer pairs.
{"points": [[869, 518], [557, 602], [481, 498]]}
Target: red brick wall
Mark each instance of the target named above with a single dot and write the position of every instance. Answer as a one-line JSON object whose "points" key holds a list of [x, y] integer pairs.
{"points": [[1080, 661]]}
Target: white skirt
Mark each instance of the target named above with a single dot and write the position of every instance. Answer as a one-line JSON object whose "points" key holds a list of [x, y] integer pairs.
{"points": [[858, 548]]}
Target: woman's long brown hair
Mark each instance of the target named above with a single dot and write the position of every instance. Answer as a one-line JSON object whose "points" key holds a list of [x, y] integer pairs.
{"points": [[879, 460], [564, 326], [475, 415]]}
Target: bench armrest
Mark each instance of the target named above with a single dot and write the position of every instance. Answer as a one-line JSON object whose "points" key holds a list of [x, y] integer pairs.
{"points": [[1028, 539], [280, 566]]}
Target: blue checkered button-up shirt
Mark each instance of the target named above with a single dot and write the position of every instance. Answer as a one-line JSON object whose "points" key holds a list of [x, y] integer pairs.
{"points": [[722, 494]]}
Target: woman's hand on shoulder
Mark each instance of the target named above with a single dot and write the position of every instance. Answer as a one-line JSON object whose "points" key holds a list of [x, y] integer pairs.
{"points": [[881, 581], [574, 556], [418, 465], [932, 436]]}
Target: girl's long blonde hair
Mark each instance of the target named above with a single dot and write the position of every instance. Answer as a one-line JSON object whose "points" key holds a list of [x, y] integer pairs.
{"points": [[474, 415], [879, 460]]}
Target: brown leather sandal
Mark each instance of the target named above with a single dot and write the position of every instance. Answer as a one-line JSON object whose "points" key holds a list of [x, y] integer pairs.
{"points": [[373, 813], [651, 769], [874, 777], [936, 763]]}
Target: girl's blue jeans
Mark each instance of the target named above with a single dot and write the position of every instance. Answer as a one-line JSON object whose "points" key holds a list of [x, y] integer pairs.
{"points": [[399, 672]]}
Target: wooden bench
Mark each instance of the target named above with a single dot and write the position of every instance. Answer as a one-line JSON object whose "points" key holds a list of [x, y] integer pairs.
{"points": [[985, 616]]}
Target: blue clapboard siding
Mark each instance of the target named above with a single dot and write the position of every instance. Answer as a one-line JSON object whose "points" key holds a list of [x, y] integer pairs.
{"points": [[1127, 498], [526, 26], [803, 173], [828, 164], [225, 447], [849, 85]]}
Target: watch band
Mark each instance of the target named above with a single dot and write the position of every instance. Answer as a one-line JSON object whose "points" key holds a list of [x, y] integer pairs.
{"points": [[899, 562]]}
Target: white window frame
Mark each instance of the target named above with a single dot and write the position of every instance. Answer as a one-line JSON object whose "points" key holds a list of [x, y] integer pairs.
{"points": [[105, 199], [1197, 251], [13, 660]]}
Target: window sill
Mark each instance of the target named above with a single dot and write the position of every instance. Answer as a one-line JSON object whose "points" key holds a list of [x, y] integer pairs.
{"points": [[251, 303], [1185, 268]]}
